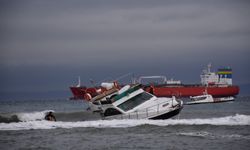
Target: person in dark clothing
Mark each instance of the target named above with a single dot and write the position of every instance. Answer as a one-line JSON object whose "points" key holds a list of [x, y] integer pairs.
{"points": [[50, 117]]}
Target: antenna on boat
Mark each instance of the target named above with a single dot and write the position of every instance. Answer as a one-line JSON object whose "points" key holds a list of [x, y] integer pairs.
{"points": [[123, 76], [133, 80], [209, 67], [92, 82], [79, 81]]}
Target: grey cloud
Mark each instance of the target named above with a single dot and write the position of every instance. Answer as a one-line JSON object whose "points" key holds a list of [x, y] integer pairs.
{"points": [[126, 34]]}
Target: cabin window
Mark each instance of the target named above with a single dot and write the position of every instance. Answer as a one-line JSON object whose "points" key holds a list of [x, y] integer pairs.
{"points": [[111, 112], [105, 102], [96, 103], [135, 101]]}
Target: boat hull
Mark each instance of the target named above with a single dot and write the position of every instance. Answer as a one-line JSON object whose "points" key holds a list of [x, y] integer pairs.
{"points": [[167, 115], [153, 115], [212, 100], [163, 116], [205, 102]]}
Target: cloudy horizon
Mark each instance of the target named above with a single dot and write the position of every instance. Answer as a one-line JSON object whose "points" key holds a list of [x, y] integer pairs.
{"points": [[45, 45]]}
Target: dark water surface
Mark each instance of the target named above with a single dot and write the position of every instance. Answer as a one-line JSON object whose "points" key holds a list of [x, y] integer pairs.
{"points": [[206, 126], [140, 137]]}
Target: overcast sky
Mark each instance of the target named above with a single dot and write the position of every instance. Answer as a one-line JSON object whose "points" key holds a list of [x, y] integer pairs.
{"points": [[46, 44]]}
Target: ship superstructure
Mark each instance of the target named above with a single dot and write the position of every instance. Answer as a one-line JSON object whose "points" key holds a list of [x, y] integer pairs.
{"points": [[222, 77]]}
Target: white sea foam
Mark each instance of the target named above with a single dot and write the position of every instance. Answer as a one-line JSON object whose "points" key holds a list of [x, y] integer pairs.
{"points": [[195, 134], [33, 116], [214, 135], [228, 121]]}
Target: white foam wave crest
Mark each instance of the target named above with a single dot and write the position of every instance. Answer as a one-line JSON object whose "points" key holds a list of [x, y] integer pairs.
{"points": [[195, 134], [228, 121], [213, 135], [33, 116]]}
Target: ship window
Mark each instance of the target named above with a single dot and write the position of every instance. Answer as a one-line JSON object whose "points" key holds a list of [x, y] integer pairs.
{"points": [[199, 98], [111, 112], [105, 102], [96, 103], [135, 101]]}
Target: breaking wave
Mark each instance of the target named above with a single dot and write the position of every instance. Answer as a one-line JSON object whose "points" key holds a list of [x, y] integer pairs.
{"points": [[237, 119], [33, 116], [24, 117]]}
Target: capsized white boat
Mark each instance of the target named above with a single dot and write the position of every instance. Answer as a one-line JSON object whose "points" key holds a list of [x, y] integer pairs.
{"points": [[207, 98], [132, 102]]}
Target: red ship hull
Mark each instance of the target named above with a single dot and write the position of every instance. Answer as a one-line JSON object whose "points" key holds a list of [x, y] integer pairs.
{"points": [[168, 91], [79, 92], [195, 90]]}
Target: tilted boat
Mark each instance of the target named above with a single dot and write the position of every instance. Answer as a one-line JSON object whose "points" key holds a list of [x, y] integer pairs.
{"points": [[132, 102], [217, 84]]}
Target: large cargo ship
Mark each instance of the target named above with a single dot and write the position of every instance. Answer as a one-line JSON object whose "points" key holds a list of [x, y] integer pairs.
{"points": [[218, 84]]}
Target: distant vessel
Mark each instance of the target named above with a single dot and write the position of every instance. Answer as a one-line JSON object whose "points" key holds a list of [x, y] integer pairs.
{"points": [[207, 98], [217, 84]]}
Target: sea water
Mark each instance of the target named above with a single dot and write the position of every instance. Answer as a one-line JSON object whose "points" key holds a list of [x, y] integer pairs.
{"points": [[204, 126]]}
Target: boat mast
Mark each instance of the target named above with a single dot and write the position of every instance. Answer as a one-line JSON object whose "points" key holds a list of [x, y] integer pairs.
{"points": [[79, 81], [209, 68]]}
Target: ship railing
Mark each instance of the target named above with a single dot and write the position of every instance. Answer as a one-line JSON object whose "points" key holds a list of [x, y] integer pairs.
{"points": [[164, 78]]}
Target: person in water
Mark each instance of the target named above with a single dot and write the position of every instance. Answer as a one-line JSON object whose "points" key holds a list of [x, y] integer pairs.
{"points": [[50, 117]]}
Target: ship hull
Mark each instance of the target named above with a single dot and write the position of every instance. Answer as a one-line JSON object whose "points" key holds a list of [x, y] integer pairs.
{"points": [[78, 92], [169, 91], [187, 91]]}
